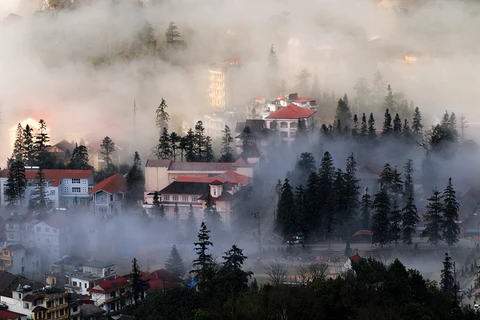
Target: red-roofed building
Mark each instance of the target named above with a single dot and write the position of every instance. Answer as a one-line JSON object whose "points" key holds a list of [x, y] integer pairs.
{"points": [[10, 315], [222, 91], [65, 188], [108, 195], [114, 295], [160, 280], [285, 120]]}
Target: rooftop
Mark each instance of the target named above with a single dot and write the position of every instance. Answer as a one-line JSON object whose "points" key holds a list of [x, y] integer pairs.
{"points": [[111, 185], [190, 188], [98, 264], [291, 112], [10, 315], [107, 286], [54, 174]]}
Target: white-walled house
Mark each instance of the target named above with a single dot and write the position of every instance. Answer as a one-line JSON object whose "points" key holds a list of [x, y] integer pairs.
{"points": [[19, 230], [53, 238], [108, 195], [285, 121], [65, 188], [19, 260]]}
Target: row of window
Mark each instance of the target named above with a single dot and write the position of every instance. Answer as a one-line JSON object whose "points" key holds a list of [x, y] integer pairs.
{"points": [[175, 198], [284, 125]]}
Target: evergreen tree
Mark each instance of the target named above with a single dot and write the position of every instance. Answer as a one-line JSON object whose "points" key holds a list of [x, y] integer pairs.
{"points": [[433, 219], [138, 284], [29, 151], [348, 250], [363, 126], [174, 264], [209, 156], [162, 117], [42, 156], [39, 200], [189, 146], [203, 265], [247, 140], [79, 159], [336, 209], [366, 209], [417, 126], [355, 131], [362, 94], [16, 182], [210, 213], [135, 181], [19, 145], [407, 133], [176, 214], [157, 209], [191, 222], [286, 220], [378, 88], [108, 148], [306, 165], [343, 113], [300, 208], [164, 148], [303, 80], [173, 38], [227, 151], [408, 185], [395, 223], [372, 132], [380, 217], [397, 126], [387, 124], [451, 230], [391, 180], [389, 99], [146, 39], [199, 141], [312, 219], [174, 140], [410, 220], [326, 174], [447, 282]]}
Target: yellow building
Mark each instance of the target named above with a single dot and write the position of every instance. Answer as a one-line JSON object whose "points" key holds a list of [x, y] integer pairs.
{"points": [[222, 82]]}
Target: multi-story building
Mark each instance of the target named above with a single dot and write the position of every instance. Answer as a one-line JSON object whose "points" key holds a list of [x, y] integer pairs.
{"points": [[214, 123], [223, 78], [46, 303], [108, 195], [53, 238], [19, 230], [65, 188], [160, 173], [285, 121], [259, 134], [19, 260]]}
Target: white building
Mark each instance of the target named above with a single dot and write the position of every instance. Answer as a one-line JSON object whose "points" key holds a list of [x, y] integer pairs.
{"points": [[100, 268], [53, 238], [65, 188], [19, 260], [19, 230], [108, 195], [113, 295], [92, 272]]}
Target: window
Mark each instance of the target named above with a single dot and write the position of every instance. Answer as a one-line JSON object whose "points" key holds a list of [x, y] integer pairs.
{"points": [[85, 285], [74, 283], [283, 125], [194, 198], [294, 125], [166, 197], [175, 197], [25, 305], [47, 229], [111, 197], [52, 192], [75, 180], [76, 189], [283, 134], [214, 191], [74, 309], [11, 236], [185, 198]]}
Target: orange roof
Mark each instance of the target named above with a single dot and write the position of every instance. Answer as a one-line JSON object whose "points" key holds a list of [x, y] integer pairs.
{"points": [[291, 112], [54, 174], [112, 184], [107, 286], [230, 63]]}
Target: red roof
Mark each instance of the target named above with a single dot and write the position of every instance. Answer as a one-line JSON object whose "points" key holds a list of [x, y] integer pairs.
{"points": [[291, 112], [230, 63], [355, 258], [216, 183], [107, 286], [54, 174], [10, 315], [228, 176], [302, 100], [111, 185]]}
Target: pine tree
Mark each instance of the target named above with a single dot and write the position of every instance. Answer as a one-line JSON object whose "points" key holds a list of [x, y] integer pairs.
{"points": [[326, 174], [79, 159], [16, 182], [364, 126], [42, 156], [372, 132], [174, 264], [247, 140], [300, 208], [378, 88], [407, 132], [451, 230], [191, 222], [387, 124], [391, 180], [433, 219], [19, 145], [157, 209], [227, 152], [108, 148], [355, 131], [203, 266], [173, 38], [174, 140], [351, 189], [389, 100], [138, 284], [209, 156], [199, 141], [447, 282], [272, 73], [312, 219], [397, 126], [286, 220], [28, 148], [395, 223], [380, 217], [162, 117], [410, 220], [189, 143], [336, 208], [176, 214], [211, 215], [135, 181], [39, 197], [305, 165], [164, 148], [362, 94], [366, 209], [417, 126], [408, 185], [343, 113]]}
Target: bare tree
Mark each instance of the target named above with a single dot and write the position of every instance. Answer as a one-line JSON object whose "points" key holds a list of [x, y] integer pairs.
{"points": [[275, 272], [314, 271]]}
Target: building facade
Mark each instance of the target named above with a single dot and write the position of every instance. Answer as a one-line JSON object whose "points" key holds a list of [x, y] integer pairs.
{"points": [[222, 78], [107, 196], [53, 238]]}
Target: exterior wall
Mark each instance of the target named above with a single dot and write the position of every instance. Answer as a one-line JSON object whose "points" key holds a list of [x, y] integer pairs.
{"points": [[156, 178], [216, 88], [52, 192], [73, 192], [113, 301], [82, 285], [287, 128], [33, 265], [53, 243], [101, 272], [17, 305], [105, 203], [20, 232], [14, 261]]}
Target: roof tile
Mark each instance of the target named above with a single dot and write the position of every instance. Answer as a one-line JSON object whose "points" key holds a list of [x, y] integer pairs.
{"points": [[291, 112], [111, 185]]}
